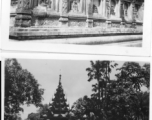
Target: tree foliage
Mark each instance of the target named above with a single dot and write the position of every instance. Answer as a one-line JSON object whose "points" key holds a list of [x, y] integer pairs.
{"points": [[120, 99], [20, 88]]}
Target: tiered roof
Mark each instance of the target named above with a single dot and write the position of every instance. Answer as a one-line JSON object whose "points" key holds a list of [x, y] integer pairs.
{"points": [[59, 107]]}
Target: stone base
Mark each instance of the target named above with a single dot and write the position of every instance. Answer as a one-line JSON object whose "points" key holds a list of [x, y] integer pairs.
{"points": [[34, 33], [123, 40]]}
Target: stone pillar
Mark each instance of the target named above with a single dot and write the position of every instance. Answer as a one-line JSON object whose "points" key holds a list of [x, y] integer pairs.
{"points": [[84, 6], [89, 13], [64, 13], [24, 13], [13, 8], [108, 7], [122, 13], [133, 14]]}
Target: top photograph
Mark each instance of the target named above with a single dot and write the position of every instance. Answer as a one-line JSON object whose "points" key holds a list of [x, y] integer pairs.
{"points": [[78, 22]]}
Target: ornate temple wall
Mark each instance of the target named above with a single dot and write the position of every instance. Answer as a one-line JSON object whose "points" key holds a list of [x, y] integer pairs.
{"points": [[111, 16]]}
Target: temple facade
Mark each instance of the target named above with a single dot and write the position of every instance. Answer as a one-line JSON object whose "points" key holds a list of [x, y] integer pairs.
{"points": [[34, 19], [58, 109]]}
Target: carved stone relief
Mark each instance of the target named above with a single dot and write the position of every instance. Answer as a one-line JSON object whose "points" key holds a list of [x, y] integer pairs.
{"points": [[47, 22], [99, 24], [13, 6], [126, 5], [112, 8], [95, 9], [12, 21], [128, 25], [107, 8], [24, 4], [76, 6], [46, 3], [128, 11], [77, 23], [64, 6], [139, 12], [23, 23], [14, 2], [115, 25], [115, 9]]}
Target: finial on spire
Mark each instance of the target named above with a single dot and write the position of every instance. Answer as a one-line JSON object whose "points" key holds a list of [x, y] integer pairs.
{"points": [[60, 76]]}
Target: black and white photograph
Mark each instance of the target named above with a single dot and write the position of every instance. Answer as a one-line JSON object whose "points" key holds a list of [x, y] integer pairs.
{"points": [[80, 22], [68, 89], [107, 27]]}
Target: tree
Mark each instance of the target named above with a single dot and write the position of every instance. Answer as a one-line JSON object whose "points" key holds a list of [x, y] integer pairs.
{"points": [[123, 98], [33, 116], [43, 108], [100, 71], [20, 88], [134, 73], [85, 106], [146, 74], [140, 105]]}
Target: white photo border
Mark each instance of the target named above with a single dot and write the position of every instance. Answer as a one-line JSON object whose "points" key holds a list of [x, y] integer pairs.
{"points": [[78, 49]]}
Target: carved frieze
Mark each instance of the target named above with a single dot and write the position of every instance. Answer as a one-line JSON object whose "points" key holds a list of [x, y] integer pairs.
{"points": [[47, 22], [115, 25], [14, 2], [12, 21], [46, 3], [99, 24], [22, 23], [77, 23], [24, 4], [128, 25]]}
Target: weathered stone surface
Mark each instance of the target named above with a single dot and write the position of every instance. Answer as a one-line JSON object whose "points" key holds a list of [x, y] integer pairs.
{"points": [[76, 18]]}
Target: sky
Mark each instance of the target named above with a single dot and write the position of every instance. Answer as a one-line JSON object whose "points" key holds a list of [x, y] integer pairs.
{"points": [[74, 79]]}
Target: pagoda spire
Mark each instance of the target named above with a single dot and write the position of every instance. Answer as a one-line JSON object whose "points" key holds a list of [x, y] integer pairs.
{"points": [[60, 78], [58, 108]]}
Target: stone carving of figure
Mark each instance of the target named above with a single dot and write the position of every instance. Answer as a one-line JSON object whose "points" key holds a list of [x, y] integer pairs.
{"points": [[49, 3], [126, 10], [75, 6], [95, 9], [139, 12], [24, 4], [42, 3], [14, 2], [112, 9], [27, 4]]}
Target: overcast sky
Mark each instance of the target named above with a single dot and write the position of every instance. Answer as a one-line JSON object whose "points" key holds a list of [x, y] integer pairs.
{"points": [[74, 79]]}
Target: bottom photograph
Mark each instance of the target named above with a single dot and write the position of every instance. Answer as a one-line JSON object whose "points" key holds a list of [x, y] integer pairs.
{"points": [[49, 89]]}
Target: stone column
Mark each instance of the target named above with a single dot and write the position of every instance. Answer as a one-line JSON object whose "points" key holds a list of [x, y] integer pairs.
{"points": [[133, 14], [89, 13], [64, 13], [108, 7], [84, 6], [24, 13], [122, 13], [13, 8]]}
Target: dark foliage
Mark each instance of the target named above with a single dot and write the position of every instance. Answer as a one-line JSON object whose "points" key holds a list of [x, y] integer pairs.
{"points": [[20, 88]]}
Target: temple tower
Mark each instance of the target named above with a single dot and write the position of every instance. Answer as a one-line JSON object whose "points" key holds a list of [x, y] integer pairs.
{"points": [[58, 109]]}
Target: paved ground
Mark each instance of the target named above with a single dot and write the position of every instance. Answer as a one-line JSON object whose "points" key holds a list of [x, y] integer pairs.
{"points": [[126, 44], [137, 43]]}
